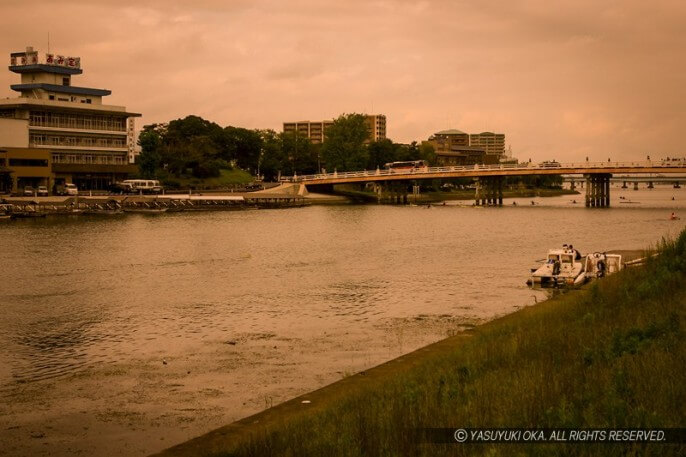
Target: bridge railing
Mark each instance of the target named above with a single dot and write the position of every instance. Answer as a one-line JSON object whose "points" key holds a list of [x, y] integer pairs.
{"points": [[564, 168]]}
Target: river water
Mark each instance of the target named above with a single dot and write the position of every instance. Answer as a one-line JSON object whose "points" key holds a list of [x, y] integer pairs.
{"points": [[127, 334]]}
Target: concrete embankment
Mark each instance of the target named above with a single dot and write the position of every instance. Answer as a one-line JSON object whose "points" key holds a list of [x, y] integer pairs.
{"points": [[108, 204], [609, 355]]}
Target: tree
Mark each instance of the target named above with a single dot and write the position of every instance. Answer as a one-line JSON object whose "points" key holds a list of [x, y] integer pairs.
{"points": [[273, 160], [300, 153], [427, 152], [150, 158], [248, 145], [382, 152], [343, 148]]}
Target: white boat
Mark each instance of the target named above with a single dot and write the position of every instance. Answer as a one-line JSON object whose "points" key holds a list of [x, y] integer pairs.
{"points": [[600, 264], [561, 267], [5, 212]]}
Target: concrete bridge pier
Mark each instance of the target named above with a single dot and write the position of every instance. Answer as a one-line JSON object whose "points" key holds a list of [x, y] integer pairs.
{"points": [[598, 190], [572, 185], [477, 192], [650, 185], [635, 185], [489, 191], [501, 183], [378, 191], [624, 186], [394, 193]]}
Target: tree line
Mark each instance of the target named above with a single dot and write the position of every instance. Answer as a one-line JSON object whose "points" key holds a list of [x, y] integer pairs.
{"points": [[195, 147]]}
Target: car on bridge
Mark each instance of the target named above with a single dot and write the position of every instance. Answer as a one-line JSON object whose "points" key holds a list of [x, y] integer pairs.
{"points": [[550, 164]]}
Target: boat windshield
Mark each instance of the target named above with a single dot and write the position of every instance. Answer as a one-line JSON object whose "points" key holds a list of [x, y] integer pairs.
{"points": [[552, 258], [567, 258]]}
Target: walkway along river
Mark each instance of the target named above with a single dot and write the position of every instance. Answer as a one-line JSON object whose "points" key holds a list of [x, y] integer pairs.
{"points": [[127, 335]]}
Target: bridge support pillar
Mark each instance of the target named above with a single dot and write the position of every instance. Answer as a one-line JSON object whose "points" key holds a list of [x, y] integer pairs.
{"points": [[500, 190], [624, 186], [485, 192], [598, 190], [477, 192], [636, 185], [489, 191], [606, 183], [572, 185], [650, 185]]}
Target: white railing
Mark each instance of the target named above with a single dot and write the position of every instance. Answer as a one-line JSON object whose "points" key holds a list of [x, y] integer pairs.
{"points": [[565, 168]]}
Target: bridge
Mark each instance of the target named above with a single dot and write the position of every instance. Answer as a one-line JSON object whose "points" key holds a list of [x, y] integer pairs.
{"points": [[392, 185]]}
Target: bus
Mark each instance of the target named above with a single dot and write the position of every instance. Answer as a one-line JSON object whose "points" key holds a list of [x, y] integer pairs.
{"points": [[146, 186], [406, 166]]}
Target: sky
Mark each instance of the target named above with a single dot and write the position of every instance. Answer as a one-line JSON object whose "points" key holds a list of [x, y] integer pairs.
{"points": [[562, 79]]}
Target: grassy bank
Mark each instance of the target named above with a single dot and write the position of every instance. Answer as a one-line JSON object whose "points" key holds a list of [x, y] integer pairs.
{"points": [[226, 179], [611, 355]]}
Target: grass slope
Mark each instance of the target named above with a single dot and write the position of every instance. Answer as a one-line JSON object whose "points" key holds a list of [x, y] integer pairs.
{"points": [[227, 178]]}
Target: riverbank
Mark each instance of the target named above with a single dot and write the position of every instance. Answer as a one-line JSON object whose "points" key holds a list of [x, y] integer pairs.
{"points": [[611, 355]]}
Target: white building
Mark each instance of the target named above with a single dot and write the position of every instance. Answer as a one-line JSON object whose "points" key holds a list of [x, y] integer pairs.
{"points": [[68, 127]]}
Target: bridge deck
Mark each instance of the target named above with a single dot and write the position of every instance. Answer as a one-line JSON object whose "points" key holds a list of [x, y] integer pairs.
{"points": [[477, 171]]}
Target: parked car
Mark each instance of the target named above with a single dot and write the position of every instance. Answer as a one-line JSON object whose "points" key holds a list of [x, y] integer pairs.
{"points": [[28, 191], [66, 189], [254, 186], [42, 191], [71, 189]]}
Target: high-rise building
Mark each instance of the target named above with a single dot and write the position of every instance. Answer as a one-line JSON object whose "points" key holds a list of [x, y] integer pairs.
{"points": [[55, 133], [493, 143], [315, 131]]}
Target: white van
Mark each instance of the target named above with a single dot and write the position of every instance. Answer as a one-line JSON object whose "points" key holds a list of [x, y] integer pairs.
{"points": [[146, 186]]}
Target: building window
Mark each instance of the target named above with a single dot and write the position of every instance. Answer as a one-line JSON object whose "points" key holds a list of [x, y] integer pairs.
{"points": [[51, 97], [65, 81]]}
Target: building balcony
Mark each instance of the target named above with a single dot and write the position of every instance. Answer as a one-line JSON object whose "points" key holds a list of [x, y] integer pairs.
{"points": [[79, 148], [59, 126]]}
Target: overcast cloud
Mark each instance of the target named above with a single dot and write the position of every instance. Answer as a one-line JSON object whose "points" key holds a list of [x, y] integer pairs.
{"points": [[562, 80]]}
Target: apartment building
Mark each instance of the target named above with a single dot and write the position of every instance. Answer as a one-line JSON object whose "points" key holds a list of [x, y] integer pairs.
{"points": [[315, 131], [493, 143]]}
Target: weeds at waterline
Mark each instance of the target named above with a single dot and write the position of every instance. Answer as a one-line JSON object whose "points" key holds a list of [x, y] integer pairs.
{"points": [[610, 356]]}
